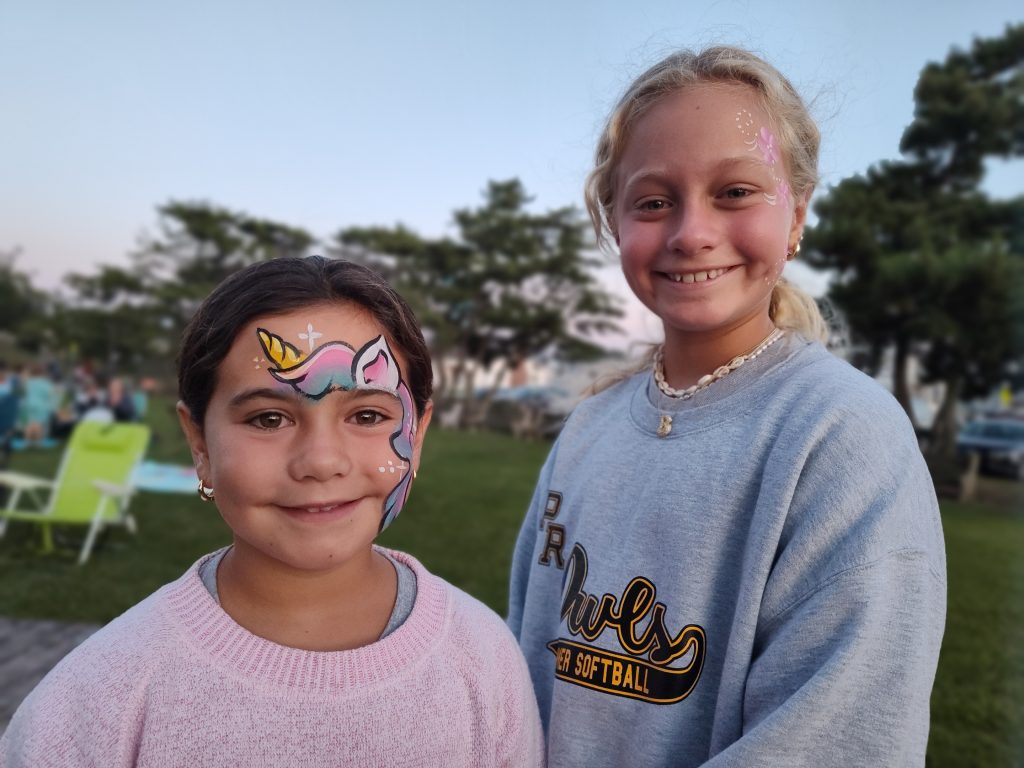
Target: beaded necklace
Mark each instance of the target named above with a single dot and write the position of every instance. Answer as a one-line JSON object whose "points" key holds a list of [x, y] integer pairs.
{"points": [[665, 427]]}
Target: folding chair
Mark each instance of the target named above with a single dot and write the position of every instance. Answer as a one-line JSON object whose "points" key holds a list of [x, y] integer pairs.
{"points": [[92, 487]]}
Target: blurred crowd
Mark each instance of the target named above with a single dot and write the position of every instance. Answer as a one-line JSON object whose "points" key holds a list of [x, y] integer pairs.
{"points": [[39, 404]]}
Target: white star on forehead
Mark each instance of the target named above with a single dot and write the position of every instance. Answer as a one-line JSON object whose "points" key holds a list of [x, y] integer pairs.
{"points": [[311, 335]]}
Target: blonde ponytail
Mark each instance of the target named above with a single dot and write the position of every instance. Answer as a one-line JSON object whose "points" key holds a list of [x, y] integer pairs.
{"points": [[795, 310]]}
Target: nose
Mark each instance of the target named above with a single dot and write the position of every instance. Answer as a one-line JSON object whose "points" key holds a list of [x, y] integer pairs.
{"points": [[319, 451], [693, 229]]}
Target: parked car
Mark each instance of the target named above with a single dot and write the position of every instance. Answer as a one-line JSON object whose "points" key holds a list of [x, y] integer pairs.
{"points": [[998, 442]]}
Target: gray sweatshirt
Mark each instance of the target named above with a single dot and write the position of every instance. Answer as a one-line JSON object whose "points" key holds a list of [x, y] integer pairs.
{"points": [[762, 586]]}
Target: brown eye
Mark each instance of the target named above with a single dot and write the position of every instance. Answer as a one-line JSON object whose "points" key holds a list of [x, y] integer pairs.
{"points": [[270, 420], [368, 418]]}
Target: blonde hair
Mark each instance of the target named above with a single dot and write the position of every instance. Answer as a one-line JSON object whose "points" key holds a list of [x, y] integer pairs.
{"points": [[791, 308]]}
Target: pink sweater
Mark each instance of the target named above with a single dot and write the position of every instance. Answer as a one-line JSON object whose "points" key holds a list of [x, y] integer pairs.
{"points": [[176, 682]]}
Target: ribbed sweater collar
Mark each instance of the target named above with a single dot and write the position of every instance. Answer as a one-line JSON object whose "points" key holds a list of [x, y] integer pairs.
{"points": [[234, 649], [745, 388]]}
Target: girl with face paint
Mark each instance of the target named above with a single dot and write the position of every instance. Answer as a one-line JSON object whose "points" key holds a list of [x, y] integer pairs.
{"points": [[734, 555], [305, 397]]}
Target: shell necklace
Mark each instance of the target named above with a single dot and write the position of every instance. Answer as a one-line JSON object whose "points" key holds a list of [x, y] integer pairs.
{"points": [[665, 426]]}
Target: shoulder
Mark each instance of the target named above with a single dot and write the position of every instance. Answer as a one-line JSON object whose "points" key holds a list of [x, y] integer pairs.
{"points": [[608, 410], [89, 698], [821, 392], [119, 648], [846, 461]]}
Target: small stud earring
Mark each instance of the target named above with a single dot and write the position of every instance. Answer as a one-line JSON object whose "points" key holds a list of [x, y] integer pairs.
{"points": [[206, 494]]}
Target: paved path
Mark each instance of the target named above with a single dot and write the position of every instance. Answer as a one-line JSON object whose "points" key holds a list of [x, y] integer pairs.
{"points": [[28, 650]]}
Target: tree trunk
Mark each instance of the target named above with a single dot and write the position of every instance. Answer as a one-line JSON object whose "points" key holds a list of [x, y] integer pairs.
{"points": [[943, 442], [480, 408], [900, 379], [441, 381]]}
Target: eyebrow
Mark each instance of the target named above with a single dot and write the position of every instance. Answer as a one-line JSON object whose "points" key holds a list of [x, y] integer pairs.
{"points": [[725, 164], [258, 393], [290, 395]]}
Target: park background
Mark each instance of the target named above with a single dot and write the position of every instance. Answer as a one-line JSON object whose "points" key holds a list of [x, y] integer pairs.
{"points": [[149, 151]]}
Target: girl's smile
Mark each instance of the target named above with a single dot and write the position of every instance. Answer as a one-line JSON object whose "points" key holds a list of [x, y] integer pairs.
{"points": [[309, 438], [702, 276], [703, 215], [321, 513]]}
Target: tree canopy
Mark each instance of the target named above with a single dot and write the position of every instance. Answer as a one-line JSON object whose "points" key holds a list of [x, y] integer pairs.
{"points": [[513, 284], [928, 262]]}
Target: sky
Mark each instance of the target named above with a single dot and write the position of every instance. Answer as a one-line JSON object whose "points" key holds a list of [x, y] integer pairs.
{"points": [[326, 115]]}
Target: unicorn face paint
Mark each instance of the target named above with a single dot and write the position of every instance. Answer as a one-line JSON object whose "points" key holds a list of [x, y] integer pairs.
{"points": [[310, 449], [337, 366]]}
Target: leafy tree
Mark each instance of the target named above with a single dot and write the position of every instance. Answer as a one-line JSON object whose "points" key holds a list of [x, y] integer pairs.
{"points": [[22, 306], [134, 315], [513, 284], [199, 245], [109, 317], [927, 261]]}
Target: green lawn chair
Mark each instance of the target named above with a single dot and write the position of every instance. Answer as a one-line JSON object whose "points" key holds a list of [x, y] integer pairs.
{"points": [[92, 488]]}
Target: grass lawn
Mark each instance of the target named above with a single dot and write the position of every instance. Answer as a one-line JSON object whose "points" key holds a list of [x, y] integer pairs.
{"points": [[978, 699], [461, 521]]}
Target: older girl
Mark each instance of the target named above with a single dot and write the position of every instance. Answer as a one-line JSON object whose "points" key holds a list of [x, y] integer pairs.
{"points": [[734, 556]]}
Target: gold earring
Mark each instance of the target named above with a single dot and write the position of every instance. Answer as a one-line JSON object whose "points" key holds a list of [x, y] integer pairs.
{"points": [[206, 494], [415, 474]]}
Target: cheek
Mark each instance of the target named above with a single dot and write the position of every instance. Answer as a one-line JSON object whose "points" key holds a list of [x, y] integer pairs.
{"points": [[384, 464], [774, 271]]}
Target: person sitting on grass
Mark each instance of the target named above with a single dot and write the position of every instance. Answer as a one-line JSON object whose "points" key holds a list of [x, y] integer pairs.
{"points": [[305, 390]]}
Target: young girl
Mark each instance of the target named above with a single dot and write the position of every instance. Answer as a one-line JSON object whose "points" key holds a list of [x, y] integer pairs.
{"points": [[733, 557], [305, 395]]}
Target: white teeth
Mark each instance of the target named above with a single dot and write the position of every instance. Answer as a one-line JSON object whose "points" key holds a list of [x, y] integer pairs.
{"points": [[694, 277]]}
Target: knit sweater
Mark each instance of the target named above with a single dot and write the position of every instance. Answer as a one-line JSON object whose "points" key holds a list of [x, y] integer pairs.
{"points": [[176, 682], [764, 585]]}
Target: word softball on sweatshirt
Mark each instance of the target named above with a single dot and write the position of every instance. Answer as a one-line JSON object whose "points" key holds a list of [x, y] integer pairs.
{"points": [[649, 668]]}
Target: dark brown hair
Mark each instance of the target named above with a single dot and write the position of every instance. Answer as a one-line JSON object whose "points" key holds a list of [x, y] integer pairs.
{"points": [[281, 285]]}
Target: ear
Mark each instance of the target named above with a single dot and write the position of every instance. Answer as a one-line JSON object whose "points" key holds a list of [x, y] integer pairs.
{"points": [[196, 442], [796, 227], [421, 432]]}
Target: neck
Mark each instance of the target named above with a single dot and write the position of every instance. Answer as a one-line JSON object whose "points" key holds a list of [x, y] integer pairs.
{"points": [[689, 356], [339, 609]]}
